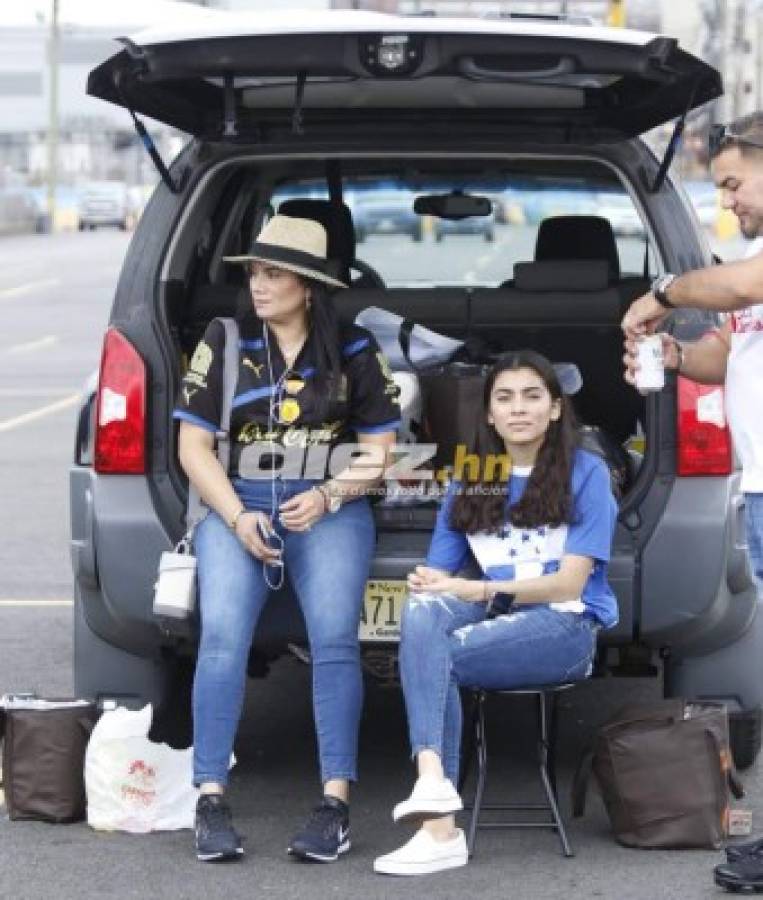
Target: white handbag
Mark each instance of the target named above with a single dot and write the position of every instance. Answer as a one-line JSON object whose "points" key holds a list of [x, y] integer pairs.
{"points": [[175, 588]]}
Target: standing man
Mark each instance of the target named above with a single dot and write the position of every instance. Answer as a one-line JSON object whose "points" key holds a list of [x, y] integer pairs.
{"points": [[734, 353]]}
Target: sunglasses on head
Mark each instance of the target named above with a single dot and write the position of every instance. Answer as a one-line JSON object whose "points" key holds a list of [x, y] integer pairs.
{"points": [[721, 136]]}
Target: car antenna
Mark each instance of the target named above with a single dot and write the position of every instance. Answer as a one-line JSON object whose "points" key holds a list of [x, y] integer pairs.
{"points": [[148, 142], [296, 118], [675, 139]]}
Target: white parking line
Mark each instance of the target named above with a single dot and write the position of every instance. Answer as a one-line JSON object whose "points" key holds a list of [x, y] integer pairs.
{"points": [[32, 603], [37, 392], [28, 288], [39, 344], [10, 424]]}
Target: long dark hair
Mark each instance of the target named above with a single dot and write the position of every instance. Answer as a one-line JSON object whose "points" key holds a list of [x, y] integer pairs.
{"points": [[547, 497], [324, 324]]}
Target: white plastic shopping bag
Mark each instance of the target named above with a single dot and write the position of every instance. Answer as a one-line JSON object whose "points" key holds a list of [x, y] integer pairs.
{"points": [[427, 348], [133, 784]]}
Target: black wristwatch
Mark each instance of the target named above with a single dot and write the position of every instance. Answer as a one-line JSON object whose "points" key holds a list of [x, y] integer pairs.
{"points": [[660, 289]]}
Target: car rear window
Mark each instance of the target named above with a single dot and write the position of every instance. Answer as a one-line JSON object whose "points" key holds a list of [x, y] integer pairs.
{"points": [[411, 250]]}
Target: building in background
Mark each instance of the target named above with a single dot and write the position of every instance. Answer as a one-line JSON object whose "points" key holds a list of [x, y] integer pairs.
{"points": [[97, 141]]}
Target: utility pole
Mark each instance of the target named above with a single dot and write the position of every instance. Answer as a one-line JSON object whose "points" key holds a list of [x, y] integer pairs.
{"points": [[53, 115]]}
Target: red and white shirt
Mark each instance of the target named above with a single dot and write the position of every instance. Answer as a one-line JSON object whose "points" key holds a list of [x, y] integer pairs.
{"points": [[744, 393]]}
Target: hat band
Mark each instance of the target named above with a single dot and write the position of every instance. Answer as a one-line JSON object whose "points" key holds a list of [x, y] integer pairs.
{"points": [[276, 254]]}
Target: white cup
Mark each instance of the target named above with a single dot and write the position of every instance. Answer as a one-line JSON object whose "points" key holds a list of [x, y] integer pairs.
{"points": [[650, 375]]}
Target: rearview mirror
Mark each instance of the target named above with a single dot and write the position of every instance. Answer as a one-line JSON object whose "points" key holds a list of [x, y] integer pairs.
{"points": [[455, 205]]}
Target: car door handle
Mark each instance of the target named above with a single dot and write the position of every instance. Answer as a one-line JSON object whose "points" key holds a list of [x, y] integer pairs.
{"points": [[469, 68]]}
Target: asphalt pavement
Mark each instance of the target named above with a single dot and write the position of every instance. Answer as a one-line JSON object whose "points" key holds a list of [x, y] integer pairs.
{"points": [[55, 294]]}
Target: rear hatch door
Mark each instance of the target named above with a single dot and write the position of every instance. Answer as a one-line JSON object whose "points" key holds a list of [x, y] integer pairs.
{"points": [[237, 77]]}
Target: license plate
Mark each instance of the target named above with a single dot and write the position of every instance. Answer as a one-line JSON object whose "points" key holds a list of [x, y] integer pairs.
{"points": [[382, 608]]}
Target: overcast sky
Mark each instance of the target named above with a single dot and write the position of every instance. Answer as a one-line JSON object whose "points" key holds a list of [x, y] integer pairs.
{"points": [[108, 13]]}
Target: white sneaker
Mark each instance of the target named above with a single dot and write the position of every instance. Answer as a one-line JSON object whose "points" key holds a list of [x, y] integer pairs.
{"points": [[423, 855], [429, 797]]}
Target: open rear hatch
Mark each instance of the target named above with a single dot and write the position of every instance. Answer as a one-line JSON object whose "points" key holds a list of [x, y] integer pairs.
{"points": [[245, 77]]}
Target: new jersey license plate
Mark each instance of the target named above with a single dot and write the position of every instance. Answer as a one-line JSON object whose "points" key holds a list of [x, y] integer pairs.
{"points": [[382, 608]]}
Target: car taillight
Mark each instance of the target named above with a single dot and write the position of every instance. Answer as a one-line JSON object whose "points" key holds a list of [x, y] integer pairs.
{"points": [[704, 441], [120, 435]]}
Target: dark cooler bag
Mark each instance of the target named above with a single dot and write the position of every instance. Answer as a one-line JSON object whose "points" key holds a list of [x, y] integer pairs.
{"points": [[664, 770], [43, 758]]}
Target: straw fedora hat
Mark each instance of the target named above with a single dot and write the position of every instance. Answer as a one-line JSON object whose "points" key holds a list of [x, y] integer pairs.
{"points": [[298, 245]]}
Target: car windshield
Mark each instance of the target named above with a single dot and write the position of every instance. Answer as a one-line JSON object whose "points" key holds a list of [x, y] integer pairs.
{"points": [[413, 250]]}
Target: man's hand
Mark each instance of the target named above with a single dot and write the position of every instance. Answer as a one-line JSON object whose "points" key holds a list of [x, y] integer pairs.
{"points": [[643, 316], [434, 581], [630, 358]]}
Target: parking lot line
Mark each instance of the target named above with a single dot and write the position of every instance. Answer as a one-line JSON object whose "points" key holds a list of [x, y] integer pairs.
{"points": [[28, 288], [10, 424], [36, 391], [39, 344], [33, 602]]}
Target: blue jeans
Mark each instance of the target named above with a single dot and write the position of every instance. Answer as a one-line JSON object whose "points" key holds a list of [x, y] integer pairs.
{"points": [[328, 567], [447, 642], [754, 525]]}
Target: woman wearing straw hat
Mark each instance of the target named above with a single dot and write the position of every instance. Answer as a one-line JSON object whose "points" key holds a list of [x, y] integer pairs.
{"points": [[303, 383]]}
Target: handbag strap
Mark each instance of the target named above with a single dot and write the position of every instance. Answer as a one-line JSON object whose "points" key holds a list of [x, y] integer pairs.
{"points": [[197, 509]]}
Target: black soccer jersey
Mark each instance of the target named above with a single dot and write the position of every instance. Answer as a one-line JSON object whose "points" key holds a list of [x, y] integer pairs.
{"points": [[288, 409]]}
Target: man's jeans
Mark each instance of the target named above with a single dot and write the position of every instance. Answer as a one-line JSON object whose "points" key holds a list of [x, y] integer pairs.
{"points": [[447, 643], [328, 567], [754, 523]]}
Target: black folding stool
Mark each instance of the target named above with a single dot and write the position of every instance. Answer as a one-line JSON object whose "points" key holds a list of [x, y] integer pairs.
{"points": [[546, 696]]}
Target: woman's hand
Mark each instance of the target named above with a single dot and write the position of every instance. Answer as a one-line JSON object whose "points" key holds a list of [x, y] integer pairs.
{"points": [[250, 526], [434, 581], [302, 511]]}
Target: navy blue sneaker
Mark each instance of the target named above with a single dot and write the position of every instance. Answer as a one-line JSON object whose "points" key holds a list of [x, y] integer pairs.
{"points": [[216, 838], [735, 852], [326, 834], [745, 876]]}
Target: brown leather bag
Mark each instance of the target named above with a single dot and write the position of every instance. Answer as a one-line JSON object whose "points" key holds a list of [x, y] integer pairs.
{"points": [[43, 759], [664, 770]]}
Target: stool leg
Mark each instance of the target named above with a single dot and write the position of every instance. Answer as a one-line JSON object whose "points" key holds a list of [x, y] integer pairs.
{"points": [[468, 755], [553, 719], [481, 748], [544, 776]]}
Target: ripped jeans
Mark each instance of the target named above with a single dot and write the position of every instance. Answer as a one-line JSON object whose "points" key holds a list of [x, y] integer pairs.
{"points": [[447, 643]]}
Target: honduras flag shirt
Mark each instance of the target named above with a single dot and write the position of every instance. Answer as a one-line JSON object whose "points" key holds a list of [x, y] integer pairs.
{"points": [[516, 553]]}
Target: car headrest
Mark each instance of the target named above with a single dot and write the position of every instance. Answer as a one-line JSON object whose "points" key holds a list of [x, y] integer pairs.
{"points": [[336, 218], [578, 237], [562, 275]]}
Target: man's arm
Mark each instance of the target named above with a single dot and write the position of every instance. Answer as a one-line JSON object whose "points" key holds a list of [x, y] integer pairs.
{"points": [[724, 288], [705, 360]]}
